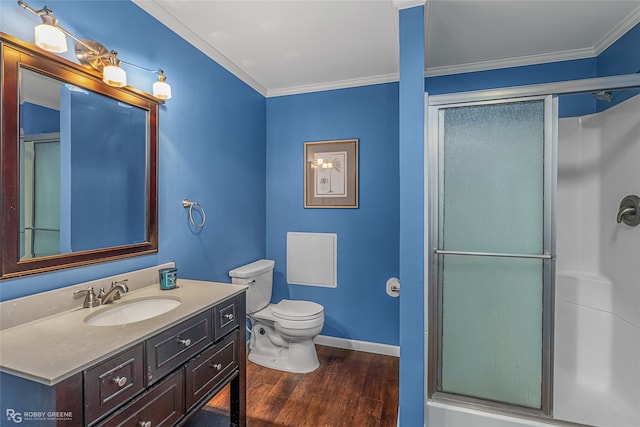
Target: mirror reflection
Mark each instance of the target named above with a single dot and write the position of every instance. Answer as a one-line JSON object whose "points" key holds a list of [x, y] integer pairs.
{"points": [[83, 169]]}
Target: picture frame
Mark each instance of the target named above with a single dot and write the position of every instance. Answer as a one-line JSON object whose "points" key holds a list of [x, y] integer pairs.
{"points": [[331, 174]]}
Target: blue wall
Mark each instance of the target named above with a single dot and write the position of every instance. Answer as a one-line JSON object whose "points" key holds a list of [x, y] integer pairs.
{"points": [[35, 119], [211, 145], [622, 57], [107, 183], [412, 113], [359, 307], [514, 76]]}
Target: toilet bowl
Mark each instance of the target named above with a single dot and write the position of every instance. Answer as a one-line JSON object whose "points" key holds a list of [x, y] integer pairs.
{"points": [[281, 334], [283, 341]]}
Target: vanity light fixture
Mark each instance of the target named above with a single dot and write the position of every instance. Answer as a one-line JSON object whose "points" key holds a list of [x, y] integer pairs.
{"points": [[161, 88], [48, 35], [112, 74], [51, 37]]}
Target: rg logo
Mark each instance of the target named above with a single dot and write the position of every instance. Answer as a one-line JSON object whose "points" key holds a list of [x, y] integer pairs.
{"points": [[14, 416]]}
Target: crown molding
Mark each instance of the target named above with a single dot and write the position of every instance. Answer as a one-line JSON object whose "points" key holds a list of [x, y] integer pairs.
{"points": [[621, 29], [159, 12], [511, 62], [406, 4], [342, 84]]}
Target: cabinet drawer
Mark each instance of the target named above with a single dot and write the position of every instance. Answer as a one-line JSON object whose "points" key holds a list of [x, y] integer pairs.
{"points": [[171, 348], [205, 372], [163, 405], [226, 317], [113, 382]]}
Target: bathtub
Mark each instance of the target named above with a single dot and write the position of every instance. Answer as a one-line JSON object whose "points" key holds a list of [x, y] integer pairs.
{"points": [[597, 355]]}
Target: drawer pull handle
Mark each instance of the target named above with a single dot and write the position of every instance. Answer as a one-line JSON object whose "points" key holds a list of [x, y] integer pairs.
{"points": [[144, 423], [186, 342], [217, 366], [120, 381], [228, 316]]}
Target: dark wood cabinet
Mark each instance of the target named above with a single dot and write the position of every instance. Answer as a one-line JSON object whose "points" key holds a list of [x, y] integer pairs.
{"points": [[165, 379], [162, 405]]}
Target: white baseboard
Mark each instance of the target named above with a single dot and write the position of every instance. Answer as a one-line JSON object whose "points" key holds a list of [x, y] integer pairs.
{"points": [[369, 347]]}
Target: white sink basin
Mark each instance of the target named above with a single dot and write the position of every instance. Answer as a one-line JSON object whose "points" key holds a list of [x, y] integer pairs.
{"points": [[132, 311]]}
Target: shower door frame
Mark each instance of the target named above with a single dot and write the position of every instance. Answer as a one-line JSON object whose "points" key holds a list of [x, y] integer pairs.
{"points": [[436, 254], [29, 192], [432, 146]]}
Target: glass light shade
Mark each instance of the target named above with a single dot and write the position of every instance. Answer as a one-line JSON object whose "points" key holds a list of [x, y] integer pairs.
{"points": [[50, 38], [161, 90], [114, 76]]}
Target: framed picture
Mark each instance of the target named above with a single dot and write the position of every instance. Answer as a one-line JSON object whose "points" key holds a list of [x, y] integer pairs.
{"points": [[331, 174]]}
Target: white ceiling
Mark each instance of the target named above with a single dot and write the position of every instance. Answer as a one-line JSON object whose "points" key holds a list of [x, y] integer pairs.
{"points": [[297, 46]]}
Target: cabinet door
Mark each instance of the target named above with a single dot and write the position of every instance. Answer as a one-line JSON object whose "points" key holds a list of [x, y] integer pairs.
{"points": [[163, 405]]}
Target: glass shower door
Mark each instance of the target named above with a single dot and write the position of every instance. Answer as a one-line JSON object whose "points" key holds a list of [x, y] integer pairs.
{"points": [[493, 255], [40, 196]]}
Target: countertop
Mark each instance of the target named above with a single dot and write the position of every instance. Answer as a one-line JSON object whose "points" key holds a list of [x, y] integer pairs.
{"points": [[52, 349]]}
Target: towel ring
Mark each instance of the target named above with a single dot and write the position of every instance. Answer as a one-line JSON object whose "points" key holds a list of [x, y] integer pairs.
{"points": [[188, 204]]}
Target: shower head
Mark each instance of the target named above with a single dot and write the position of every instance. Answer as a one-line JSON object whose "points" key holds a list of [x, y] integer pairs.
{"points": [[603, 95]]}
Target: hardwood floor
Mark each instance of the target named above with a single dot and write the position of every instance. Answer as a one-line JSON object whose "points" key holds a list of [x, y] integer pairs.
{"points": [[350, 388]]}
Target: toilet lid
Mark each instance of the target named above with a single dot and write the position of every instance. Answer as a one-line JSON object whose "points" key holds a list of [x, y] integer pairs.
{"points": [[296, 310]]}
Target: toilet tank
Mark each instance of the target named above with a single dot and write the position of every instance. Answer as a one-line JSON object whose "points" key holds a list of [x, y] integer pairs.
{"points": [[258, 276]]}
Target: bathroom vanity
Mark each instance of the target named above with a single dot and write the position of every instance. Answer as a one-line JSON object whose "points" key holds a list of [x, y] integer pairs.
{"points": [[154, 372]]}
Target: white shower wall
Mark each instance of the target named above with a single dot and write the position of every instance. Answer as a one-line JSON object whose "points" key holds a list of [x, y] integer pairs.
{"points": [[597, 341]]}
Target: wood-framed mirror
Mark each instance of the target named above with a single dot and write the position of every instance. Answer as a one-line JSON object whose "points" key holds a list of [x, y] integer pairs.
{"points": [[79, 165]]}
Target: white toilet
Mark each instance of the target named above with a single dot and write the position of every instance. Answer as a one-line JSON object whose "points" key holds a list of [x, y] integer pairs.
{"points": [[281, 334]]}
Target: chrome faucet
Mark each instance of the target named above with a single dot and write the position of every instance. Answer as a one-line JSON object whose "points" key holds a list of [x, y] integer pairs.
{"points": [[117, 287], [91, 300]]}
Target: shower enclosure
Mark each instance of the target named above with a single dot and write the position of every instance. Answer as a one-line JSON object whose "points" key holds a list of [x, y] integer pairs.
{"points": [[597, 341], [534, 261]]}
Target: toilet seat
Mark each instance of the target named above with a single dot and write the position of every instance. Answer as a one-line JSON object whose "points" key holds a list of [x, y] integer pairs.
{"points": [[297, 310]]}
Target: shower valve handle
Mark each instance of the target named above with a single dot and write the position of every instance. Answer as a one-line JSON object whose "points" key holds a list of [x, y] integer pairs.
{"points": [[629, 211], [624, 212]]}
